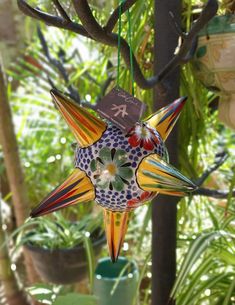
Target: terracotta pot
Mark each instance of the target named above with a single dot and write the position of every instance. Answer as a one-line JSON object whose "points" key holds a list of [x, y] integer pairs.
{"points": [[215, 63], [63, 266]]}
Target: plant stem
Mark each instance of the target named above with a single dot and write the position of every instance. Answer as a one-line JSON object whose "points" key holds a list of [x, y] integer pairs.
{"points": [[11, 291], [13, 167]]}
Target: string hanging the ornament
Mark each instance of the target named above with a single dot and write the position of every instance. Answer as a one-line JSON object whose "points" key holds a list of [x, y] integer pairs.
{"points": [[129, 34], [120, 107]]}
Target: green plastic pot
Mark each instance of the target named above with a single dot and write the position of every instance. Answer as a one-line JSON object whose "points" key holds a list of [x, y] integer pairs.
{"points": [[116, 283]]}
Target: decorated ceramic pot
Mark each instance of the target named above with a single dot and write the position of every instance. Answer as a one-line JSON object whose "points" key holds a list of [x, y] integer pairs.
{"points": [[119, 170], [215, 63]]}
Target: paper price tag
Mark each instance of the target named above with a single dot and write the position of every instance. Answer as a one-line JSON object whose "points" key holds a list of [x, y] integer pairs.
{"points": [[121, 108]]}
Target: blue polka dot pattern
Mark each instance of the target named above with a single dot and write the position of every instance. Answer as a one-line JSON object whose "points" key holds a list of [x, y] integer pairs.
{"points": [[114, 140]]}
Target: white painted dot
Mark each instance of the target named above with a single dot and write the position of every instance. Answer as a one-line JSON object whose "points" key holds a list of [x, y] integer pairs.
{"points": [[207, 292], [130, 275], [98, 277]]}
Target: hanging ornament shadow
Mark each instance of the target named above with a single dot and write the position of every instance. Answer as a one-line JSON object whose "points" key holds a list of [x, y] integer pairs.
{"points": [[119, 170]]}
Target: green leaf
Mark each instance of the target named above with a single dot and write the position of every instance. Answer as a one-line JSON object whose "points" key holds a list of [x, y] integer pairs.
{"points": [[198, 246], [41, 292], [90, 259], [75, 299], [227, 257], [204, 268], [230, 293]]}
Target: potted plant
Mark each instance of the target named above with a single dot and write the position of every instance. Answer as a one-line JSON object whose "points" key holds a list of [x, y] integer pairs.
{"points": [[214, 60], [62, 250], [57, 295], [116, 283]]}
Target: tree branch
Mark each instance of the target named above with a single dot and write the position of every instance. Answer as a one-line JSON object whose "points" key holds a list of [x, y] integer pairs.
{"points": [[98, 33], [59, 66], [92, 29], [89, 22], [220, 158], [61, 10], [113, 19], [175, 26], [208, 12], [217, 194], [51, 20]]}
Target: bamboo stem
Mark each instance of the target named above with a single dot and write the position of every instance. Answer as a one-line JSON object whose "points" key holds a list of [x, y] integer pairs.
{"points": [[11, 292], [13, 168]]}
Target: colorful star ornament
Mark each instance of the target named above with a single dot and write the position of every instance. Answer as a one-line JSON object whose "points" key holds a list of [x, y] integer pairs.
{"points": [[119, 171]]}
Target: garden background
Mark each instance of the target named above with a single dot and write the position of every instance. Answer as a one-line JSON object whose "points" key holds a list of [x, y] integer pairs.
{"points": [[38, 156]]}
